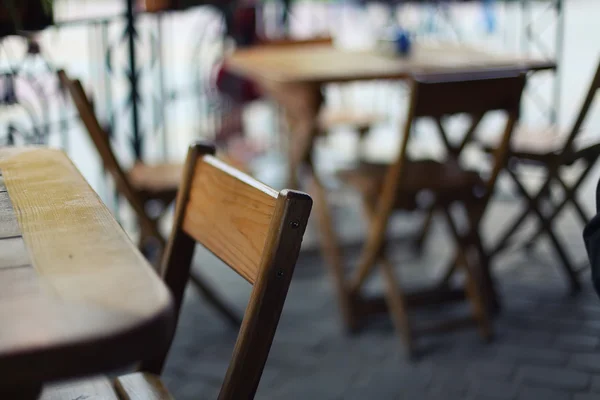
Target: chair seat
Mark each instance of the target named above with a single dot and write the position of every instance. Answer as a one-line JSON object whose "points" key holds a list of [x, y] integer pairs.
{"points": [[330, 119], [158, 178], [543, 145], [447, 181], [128, 387]]}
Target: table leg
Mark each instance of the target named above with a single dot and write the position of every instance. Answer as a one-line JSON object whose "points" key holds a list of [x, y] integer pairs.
{"points": [[302, 104]]}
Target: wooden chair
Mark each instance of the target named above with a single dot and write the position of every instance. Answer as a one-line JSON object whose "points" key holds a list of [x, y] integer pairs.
{"points": [[554, 153], [257, 232], [144, 186], [385, 188]]}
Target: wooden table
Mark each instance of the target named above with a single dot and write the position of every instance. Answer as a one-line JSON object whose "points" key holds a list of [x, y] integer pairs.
{"points": [[294, 77], [76, 296]]}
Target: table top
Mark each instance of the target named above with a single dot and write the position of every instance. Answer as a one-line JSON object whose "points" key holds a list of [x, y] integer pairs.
{"points": [[323, 63], [76, 296]]}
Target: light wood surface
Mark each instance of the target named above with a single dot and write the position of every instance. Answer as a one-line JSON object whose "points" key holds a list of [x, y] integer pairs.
{"points": [[141, 386], [323, 63], [233, 218], [79, 297], [97, 388]]}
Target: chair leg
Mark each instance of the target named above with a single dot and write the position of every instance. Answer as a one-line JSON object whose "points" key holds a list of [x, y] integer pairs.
{"points": [[394, 297], [420, 239], [209, 294], [492, 300], [569, 195], [546, 226], [472, 289], [398, 309], [332, 253]]}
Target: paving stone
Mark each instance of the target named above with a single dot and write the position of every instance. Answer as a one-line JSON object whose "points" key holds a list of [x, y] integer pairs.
{"points": [[586, 362], [448, 381], [491, 389], [498, 370], [535, 393], [596, 383], [534, 338], [576, 342], [585, 396], [546, 356], [554, 378], [313, 386]]}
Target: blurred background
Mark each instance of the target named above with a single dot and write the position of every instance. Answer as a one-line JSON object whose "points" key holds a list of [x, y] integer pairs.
{"points": [[153, 78]]}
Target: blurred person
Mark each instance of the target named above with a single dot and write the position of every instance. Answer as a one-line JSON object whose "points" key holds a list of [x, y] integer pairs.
{"points": [[240, 31]]}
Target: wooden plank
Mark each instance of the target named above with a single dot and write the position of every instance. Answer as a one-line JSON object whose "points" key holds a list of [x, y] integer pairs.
{"points": [[141, 386], [230, 215], [98, 388], [13, 253], [90, 302], [9, 226], [65, 225]]}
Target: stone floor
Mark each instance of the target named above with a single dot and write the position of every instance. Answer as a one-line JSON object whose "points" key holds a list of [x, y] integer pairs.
{"points": [[547, 343]]}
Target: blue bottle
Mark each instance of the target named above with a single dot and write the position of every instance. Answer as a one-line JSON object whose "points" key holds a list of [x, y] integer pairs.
{"points": [[402, 42]]}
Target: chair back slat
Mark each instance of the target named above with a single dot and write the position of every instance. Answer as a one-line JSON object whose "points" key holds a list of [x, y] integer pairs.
{"points": [[95, 131], [102, 143], [451, 94], [467, 93], [230, 215]]}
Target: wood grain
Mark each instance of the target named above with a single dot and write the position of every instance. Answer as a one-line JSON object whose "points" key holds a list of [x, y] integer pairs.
{"points": [[90, 301], [323, 63], [141, 386], [231, 219]]}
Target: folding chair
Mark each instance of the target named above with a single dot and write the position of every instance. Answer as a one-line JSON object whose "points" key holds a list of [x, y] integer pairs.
{"points": [[257, 232], [144, 186], [385, 188], [553, 154]]}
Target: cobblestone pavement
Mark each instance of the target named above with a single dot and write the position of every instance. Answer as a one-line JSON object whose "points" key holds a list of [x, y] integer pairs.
{"points": [[546, 344]]}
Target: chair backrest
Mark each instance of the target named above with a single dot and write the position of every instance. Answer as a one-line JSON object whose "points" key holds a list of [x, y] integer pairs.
{"points": [[587, 103], [102, 143], [257, 232], [449, 94]]}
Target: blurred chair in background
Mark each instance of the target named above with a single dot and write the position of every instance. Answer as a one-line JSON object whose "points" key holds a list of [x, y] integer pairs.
{"points": [[145, 187], [554, 152], [385, 188]]}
